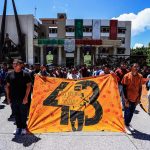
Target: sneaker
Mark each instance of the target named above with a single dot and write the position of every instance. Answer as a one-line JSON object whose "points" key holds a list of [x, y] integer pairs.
{"points": [[11, 118], [5, 102], [130, 128], [17, 131], [127, 131], [23, 131]]}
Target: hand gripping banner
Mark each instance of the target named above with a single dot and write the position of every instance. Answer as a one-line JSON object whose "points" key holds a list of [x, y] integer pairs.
{"points": [[90, 104]]}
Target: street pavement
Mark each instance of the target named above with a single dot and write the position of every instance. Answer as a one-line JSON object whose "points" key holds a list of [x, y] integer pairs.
{"points": [[140, 139]]}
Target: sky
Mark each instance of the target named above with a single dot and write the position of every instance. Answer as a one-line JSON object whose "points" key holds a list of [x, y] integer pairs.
{"points": [[137, 11]]}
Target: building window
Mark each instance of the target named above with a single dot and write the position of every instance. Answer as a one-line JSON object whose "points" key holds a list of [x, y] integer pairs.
{"points": [[121, 30], [105, 29], [87, 29], [104, 38], [120, 50], [42, 34], [104, 51], [122, 40], [70, 29], [35, 37], [52, 30], [36, 28], [53, 21]]}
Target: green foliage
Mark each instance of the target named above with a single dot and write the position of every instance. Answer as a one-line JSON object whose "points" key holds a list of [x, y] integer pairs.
{"points": [[142, 53]]}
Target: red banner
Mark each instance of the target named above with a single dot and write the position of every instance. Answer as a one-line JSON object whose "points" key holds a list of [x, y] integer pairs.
{"points": [[89, 42], [113, 29]]}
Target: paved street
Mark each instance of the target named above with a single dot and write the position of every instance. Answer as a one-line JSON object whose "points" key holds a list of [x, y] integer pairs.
{"points": [[76, 141]]}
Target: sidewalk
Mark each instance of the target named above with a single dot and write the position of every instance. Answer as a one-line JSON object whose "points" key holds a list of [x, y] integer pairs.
{"points": [[76, 141]]}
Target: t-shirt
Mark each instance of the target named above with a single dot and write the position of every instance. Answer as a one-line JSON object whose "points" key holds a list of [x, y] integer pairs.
{"points": [[120, 73], [98, 72], [84, 72], [133, 85], [18, 84]]}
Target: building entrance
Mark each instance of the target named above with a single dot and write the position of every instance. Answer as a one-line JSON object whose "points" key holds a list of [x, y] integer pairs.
{"points": [[69, 61]]}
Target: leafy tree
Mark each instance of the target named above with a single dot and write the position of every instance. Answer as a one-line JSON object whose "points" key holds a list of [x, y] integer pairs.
{"points": [[141, 55]]}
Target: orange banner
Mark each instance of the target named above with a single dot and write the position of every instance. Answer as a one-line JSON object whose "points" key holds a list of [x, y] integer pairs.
{"points": [[90, 104], [144, 98]]}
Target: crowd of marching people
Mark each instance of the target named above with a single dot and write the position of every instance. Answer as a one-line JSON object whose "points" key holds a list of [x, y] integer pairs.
{"points": [[17, 83], [72, 72]]}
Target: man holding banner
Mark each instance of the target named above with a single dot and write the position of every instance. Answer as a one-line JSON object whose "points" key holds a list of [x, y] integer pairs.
{"points": [[132, 88]]}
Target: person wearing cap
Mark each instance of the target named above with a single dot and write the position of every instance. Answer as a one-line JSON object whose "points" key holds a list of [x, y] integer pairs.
{"points": [[18, 85]]}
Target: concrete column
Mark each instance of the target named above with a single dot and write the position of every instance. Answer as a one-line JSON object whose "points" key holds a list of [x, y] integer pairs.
{"points": [[93, 63], [42, 55], [59, 56], [78, 55], [93, 55], [115, 51], [28, 22], [97, 50]]}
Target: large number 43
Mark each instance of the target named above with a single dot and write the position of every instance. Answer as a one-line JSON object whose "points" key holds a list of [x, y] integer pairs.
{"points": [[77, 115]]}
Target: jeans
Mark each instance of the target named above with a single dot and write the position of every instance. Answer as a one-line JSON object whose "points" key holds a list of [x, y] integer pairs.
{"points": [[20, 111], [128, 113], [121, 95]]}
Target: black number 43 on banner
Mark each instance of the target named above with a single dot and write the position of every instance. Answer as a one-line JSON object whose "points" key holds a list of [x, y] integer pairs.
{"points": [[79, 115]]}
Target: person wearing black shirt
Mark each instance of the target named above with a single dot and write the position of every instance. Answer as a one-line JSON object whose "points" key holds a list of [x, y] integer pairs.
{"points": [[18, 86]]}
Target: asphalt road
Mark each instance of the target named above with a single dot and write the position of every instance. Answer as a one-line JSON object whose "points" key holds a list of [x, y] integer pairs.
{"points": [[140, 139]]}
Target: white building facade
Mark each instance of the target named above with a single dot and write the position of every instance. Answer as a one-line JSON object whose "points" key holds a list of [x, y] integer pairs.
{"points": [[70, 39], [101, 38]]}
